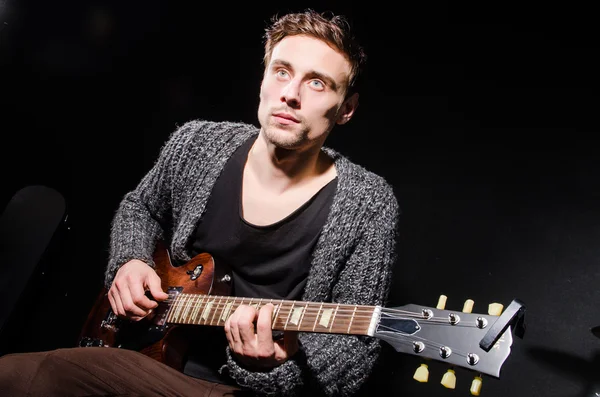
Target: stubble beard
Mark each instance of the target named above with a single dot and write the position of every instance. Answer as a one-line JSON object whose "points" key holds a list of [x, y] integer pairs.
{"points": [[286, 137]]}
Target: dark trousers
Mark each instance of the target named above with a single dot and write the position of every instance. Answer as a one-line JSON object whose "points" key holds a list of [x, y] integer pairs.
{"points": [[99, 371]]}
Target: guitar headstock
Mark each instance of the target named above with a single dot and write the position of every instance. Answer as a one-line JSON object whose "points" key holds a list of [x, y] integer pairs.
{"points": [[460, 338]]}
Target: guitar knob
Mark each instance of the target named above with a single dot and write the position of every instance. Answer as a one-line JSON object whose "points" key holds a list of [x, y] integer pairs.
{"points": [[495, 309], [422, 373], [442, 302], [449, 379], [226, 278], [468, 306], [476, 386]]}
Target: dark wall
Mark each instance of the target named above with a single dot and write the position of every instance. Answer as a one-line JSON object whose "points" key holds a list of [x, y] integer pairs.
{"points": [[483, 118]]}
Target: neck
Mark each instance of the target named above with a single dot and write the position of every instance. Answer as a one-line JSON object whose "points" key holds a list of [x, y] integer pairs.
{"points": [[288, 315], [281, 169]]}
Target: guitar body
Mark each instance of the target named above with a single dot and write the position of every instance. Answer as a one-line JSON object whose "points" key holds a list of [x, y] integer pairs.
{"points": [[166, 343]]}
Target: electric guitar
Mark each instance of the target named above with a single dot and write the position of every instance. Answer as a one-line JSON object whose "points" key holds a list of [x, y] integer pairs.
{"points": [[199, 296]]}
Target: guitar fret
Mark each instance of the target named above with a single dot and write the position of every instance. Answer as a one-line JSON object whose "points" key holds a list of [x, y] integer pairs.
{"points": [[191, 307], [206, 311], [333, 318], [187, 307], [177, 308], [301, 316], [325, 317], [184, 307], [298, 311], [218, 305], [304, 310], [317, 316], [288, 317], [196, 314], [352, 318], [172, 309], [276, 312], [198, 304], [226, 310]]}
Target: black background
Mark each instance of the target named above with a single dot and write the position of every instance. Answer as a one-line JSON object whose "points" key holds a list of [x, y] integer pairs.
{"points": [[483, 118]]}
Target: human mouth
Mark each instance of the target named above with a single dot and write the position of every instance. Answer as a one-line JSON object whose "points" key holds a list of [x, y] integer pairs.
{"points": [[285, 118]]}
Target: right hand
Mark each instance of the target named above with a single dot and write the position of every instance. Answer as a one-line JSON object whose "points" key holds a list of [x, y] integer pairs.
{"points": [[127, 294]]}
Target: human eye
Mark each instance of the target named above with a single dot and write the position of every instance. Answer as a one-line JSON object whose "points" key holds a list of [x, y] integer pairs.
{"points": [[281, 73], [318, 84]]}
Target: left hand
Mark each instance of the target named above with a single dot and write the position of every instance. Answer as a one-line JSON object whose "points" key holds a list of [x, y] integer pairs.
{"points": [[253, 346]]}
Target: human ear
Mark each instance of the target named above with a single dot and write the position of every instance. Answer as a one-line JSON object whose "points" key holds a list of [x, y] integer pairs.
{"points": [[348, 108]]}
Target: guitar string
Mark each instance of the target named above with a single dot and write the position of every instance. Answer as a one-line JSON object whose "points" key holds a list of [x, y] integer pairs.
{"points": [[314, 315], [409, 338], [311, 309], [358, 313], [357, 319], [397, 336], [178, 301], [345, 312]]}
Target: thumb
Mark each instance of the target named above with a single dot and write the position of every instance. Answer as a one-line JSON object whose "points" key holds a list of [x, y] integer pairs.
{"points": [[155, 288], [288, 345]]}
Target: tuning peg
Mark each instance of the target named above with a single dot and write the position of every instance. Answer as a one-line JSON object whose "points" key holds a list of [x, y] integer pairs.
{"points": [[442, 302], [422, 373], [495, 309], [468, 306], [476, 386], [449, 379]]}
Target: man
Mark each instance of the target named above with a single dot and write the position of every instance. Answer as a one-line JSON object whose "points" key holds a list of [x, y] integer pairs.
{"points": [[292, 219]]}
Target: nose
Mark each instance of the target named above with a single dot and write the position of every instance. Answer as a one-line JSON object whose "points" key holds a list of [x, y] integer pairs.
{"points": [[291, 94]]}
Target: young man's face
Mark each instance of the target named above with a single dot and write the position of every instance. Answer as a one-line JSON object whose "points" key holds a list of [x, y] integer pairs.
{"points": [[303, 91]]}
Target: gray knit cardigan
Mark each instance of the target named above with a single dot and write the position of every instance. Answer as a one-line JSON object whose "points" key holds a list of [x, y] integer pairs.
{"points": [[351, 263]]}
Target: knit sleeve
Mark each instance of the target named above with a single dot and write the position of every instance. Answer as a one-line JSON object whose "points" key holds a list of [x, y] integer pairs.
{"points": [[144, 212], [338, 365]]}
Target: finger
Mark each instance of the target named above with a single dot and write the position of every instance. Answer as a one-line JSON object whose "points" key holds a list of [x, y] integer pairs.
{"points": [[154, 285], [130, 308], [287, 346], [118, 305], [227, 328], [245, 324], [139, 298], [236, 341], [264, 327], [113, 305]]}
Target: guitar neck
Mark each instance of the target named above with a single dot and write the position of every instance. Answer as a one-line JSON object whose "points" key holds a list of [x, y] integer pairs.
{"points": [[288, 315]]}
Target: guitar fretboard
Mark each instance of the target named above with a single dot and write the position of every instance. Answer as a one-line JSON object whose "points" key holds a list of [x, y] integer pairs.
{"points": [[287, 315]]}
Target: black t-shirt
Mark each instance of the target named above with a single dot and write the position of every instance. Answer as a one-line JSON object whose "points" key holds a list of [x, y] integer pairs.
{"points": [[270, 261]]}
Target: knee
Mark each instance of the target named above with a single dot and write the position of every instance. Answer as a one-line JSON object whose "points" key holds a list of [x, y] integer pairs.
{"points": [[24, 373], [17, 371]]}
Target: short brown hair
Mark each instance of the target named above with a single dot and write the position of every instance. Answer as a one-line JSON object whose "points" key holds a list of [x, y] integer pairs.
{"points": [[332, 29]]}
